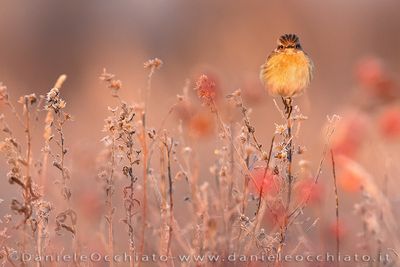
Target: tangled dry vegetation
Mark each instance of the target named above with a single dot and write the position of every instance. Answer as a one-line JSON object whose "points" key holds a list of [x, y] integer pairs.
{"points": [[252, 203]]}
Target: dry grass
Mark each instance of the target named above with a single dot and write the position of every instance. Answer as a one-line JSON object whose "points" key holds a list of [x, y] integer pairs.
{"points": [[153, 186]]}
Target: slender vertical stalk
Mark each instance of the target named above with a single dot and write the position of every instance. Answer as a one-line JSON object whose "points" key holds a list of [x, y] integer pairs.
{"points": [[47, 136], [144, 201], [171, 203], [130, 208], [151, 65], [28, 178], [145, 158], [288, 111], [56, 105], [265, 174], [337, 208], [65, 178], [284, 228], [109, 202]]}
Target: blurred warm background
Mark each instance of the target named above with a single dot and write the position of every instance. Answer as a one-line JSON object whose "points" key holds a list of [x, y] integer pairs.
{"points": [[44, 39], [354, 46]]}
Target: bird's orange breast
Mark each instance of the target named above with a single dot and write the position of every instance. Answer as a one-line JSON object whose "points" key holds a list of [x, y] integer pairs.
{"points": [[286, 74]]}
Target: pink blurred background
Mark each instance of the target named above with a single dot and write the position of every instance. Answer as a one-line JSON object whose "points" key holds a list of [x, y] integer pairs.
{"points": [[40, 40]]}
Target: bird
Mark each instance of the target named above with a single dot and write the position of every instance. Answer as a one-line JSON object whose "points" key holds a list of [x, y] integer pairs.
{"points": [[288, 70]]}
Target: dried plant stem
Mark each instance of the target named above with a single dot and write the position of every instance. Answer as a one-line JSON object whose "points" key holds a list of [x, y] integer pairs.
{"points": [[251, 132], [170, 192], [145, 160], [249, 127], [337, 208], [27, 179], [64, 176], [39, 245], [132, 247], [237, 152], [145, 174], [265, 173], [284, 227], [14, 112], [243, 162], [288, 112], [130, 196], [109, 202], [289, 169], [231, 164], [45, 158], [330, 131], [16, 159], [245, 192], [69, 212], [47, 136], [56, 104], [164, 201]]}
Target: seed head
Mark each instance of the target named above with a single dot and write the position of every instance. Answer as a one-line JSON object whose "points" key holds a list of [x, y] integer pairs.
{"points": [[205, 89], [53, 100], [155, 63]]}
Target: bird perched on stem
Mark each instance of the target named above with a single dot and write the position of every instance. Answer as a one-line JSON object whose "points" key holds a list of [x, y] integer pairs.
{"points": [[287, 72]]}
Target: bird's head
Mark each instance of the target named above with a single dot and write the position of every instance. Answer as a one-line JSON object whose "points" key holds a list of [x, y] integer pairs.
{"points": [[289, 42]]}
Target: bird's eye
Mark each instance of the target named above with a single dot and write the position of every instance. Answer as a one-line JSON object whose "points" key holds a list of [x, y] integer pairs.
{"points": [[298, 46], [280, 46]]}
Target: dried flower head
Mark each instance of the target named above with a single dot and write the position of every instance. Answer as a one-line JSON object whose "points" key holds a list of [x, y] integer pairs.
{"points": [[3, 92], [60, 81], [112, 83], [155, 63], [53, 100], [280, 129], [28, 99], [206, 89]]}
